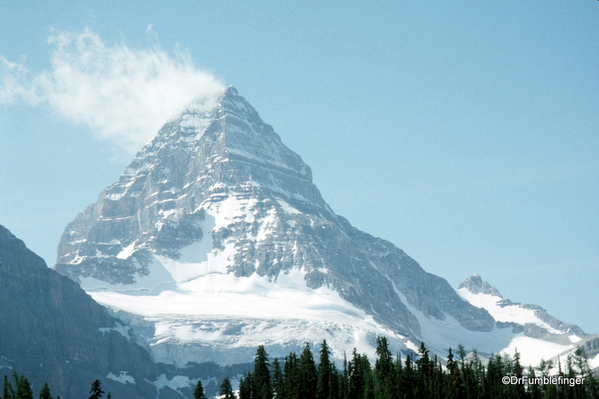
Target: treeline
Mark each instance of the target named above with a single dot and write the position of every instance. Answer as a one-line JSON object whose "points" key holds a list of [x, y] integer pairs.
{"points": [[20, 388], [418, 376]]}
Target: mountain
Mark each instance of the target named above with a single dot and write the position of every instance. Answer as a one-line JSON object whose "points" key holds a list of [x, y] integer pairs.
{"points": [[544, 336], [215, 240], [52, 331]]}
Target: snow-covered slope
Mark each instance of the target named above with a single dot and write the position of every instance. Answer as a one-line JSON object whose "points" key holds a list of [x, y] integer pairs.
{"points": [[529, 328], [215, 240]]}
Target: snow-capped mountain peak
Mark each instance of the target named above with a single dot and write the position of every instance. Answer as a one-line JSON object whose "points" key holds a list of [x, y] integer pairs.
{"points": [[215, 240]]}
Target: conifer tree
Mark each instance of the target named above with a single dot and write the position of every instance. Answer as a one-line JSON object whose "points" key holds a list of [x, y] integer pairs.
{"points": [[534, 390], [5, 389], [519, 392], [368, 381], [45, 392], [261, 375], [198, 392], [277, 379], [453, 377], [96, 390], [334, 384], [356, 377], [245, 386], [323, 386], [21, 390], [424, 362], [291, 382], [383, 371], [308, 374], [494, 385], [343, 385], [408, 378], [399, 389], [226, 389]]}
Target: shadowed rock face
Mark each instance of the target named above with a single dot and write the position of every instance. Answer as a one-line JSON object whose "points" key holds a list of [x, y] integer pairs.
{"points": [[214, 156], [50, 330]]}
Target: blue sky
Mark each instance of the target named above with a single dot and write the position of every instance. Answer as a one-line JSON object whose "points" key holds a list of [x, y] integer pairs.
{"points": [[466, 133]]}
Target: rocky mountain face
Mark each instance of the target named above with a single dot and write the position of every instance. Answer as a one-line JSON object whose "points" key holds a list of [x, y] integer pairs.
{"points": [[476, 285], [543, 336], [215, 240], [538, 324], [219, 179], [52, 331]]}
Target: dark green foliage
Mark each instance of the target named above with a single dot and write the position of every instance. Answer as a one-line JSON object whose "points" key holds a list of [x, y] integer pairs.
{"points": [[385, 380], [45, 392], [343, 380], [356, 382], [198, 392], [325, 371], [408, 379], [226, 389], [308, 374], [261, 377], [277, 379], [334, 383], [291, 383], [245, 386], [96, 390], [21, 389]]}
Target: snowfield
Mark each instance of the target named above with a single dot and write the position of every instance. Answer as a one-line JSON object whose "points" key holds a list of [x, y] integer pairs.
{"points": [[221, 312]]}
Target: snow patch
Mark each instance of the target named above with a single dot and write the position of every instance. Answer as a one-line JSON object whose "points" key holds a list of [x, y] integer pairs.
{"points": [[127, 251], [533, 350], [123, 378], [121, 329], [508, 313], [574, 338], [176, 383]]}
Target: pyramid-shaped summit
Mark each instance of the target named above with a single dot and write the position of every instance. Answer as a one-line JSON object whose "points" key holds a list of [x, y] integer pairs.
{"points": [[216, 235]]}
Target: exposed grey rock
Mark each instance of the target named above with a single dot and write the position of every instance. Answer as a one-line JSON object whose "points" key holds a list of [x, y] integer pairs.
{"points": [[555, 323], [591, 347], [516, 328], [476, 285]]}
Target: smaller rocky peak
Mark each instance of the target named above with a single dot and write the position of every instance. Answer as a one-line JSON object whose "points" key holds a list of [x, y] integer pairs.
{"points": [[476, 285]]}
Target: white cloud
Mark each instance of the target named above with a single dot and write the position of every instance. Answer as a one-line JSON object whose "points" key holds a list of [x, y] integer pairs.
{"points": [[124, 95], [14, 78]]}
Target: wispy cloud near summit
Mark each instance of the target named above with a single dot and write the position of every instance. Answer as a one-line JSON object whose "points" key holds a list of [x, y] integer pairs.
{"points": [[124, 95]]}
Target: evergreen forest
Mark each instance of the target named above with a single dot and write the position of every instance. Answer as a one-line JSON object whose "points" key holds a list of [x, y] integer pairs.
{"points": [[418, 376]]}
